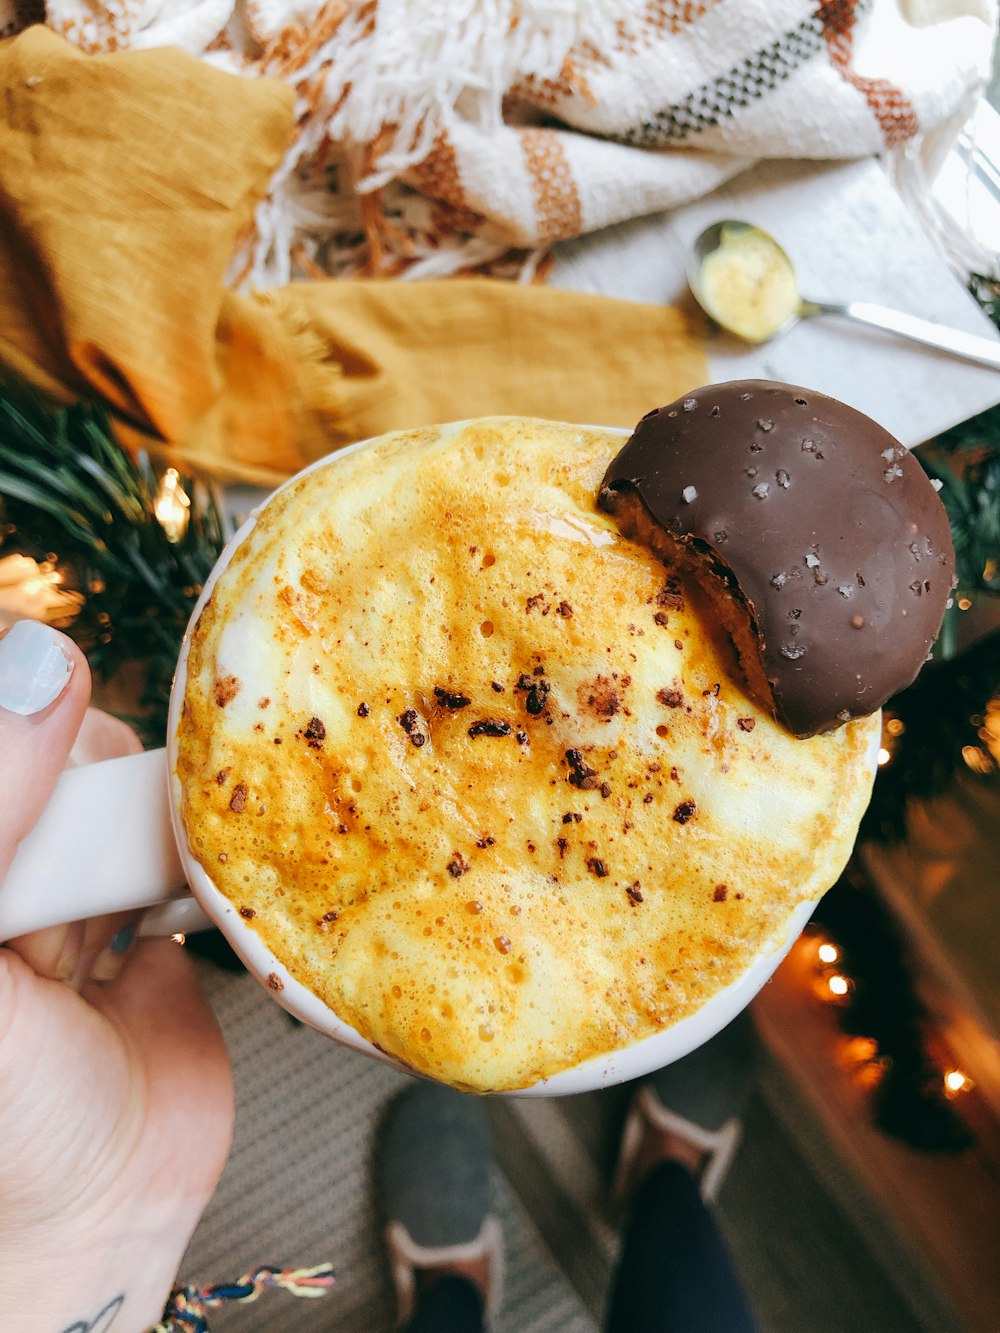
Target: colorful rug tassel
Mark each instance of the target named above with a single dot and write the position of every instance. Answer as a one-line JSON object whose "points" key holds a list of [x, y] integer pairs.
{"points": [[188, 1307]]}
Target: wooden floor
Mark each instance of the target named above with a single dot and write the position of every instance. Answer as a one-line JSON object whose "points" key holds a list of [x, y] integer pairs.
{"points": [[943, 1211]]}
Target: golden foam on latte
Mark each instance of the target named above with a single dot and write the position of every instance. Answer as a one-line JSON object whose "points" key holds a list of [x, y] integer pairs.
{"points": [[481, 771]]}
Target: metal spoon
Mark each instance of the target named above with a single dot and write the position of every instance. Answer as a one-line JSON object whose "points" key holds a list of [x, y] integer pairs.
{"points": [[744, 280]]}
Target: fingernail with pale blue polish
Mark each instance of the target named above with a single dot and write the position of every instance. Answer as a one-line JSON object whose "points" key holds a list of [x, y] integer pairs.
{"points": [[34, 669], [123, 941], [109, 964]]}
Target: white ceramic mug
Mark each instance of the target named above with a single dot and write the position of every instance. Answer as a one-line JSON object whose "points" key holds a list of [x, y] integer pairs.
{"points": [[111, 839]]}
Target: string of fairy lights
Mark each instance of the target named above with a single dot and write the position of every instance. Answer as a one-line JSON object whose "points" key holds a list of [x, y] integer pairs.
{"points": [[862, 1056]]}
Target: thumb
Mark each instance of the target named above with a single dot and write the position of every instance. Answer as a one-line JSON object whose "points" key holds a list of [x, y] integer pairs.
{"points": [[44, 690]]}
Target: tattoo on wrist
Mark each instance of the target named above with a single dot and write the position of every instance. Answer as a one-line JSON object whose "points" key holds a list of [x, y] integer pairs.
{"points": [[102, 1321]]}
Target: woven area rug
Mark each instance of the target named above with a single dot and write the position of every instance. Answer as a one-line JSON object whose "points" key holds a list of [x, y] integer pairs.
{"points": [[297, 1191]]}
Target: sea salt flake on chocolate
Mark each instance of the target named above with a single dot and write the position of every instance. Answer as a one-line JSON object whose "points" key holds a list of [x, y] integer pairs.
{"points": [[936, 483], [782, 478], [793, 651], [761, 492], [689, 404], [845, 590], [779, 580], [765, 424], [689, 495], [812, 560]]}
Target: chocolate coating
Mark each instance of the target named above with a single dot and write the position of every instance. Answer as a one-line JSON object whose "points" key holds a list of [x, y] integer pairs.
{"points": [[833, 533]]}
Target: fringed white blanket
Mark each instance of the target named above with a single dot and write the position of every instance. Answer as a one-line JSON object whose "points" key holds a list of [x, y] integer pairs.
{"points": [[442, 135]]}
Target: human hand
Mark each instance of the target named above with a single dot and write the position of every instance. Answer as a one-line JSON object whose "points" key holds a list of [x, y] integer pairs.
{"points": [[116, 1101]]}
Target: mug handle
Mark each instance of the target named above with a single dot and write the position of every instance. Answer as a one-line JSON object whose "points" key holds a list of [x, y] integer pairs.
{"points": [[105, 843]]}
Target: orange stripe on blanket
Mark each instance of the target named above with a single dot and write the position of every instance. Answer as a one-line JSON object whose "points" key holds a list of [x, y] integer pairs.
{"points": [[672, 15], [893, 110], [557, 202], [438, 174]]}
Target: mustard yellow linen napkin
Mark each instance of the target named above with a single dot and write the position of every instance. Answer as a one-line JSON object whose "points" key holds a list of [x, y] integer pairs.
{"points": [[127, 181]]}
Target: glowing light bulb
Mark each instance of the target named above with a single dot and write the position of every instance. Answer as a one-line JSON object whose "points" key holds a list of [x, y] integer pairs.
{"points": [[828, 953], [172, 506], [977, 759], [956, 1081], [838, 985]]}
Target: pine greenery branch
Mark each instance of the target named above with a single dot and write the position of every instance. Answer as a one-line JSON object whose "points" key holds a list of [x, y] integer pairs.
{"points": [[884, 1005], [942, 715], [69, 491]]}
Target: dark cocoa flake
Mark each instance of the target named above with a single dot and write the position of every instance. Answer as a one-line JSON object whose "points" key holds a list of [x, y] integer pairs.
{"points": [[264, 703], [238, 800], [247, 913], [487, 840], [329, 917], [571, 817], [447, 699], [458, 866], [746, 723], [363, 710], [603, 698], [410, 722], [634, 894], [533, 603], [274, 981], [562, 844], [648, 798], [675, 775], [536, 693], [226, 689], [678, 645], [597, 867], [605, 789], [490, 726], [495, 684], [684, 812], [521, 737], [720, 893], [221, 776], [565, 610], [661, 618], [581, 774], [538, 671], [670, 698], [714, 691], [315, 733], [670, 598]]}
